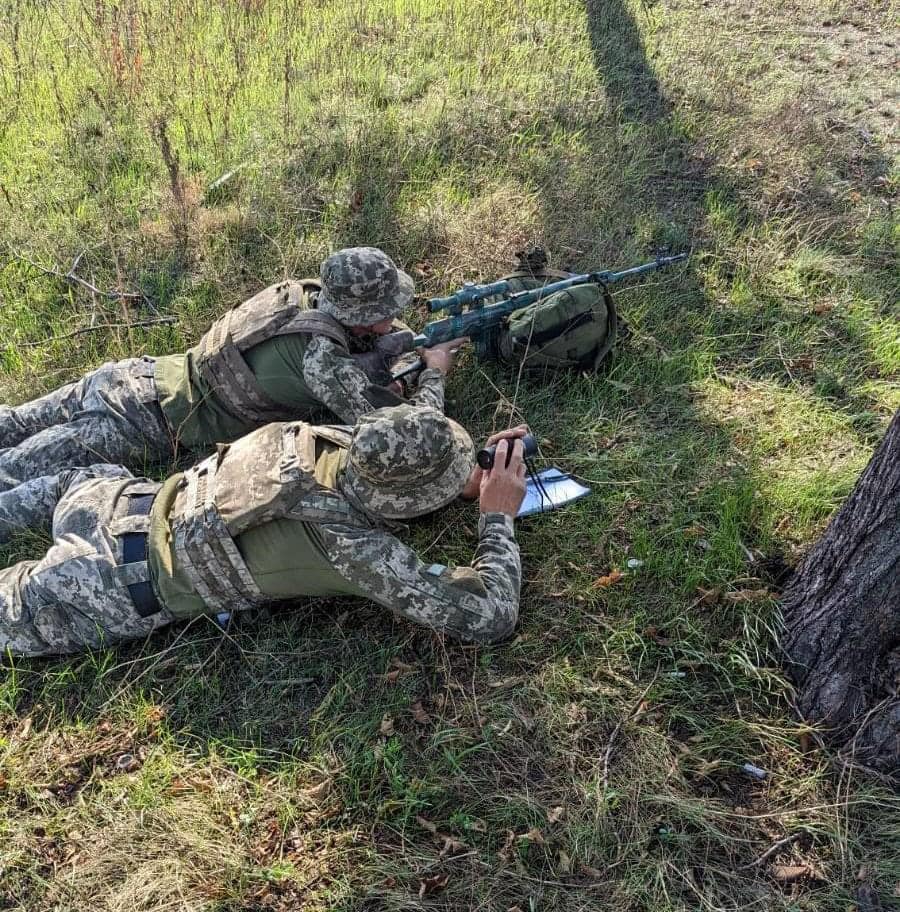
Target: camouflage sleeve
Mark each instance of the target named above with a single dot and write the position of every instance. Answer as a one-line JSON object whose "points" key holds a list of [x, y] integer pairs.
{"points": [[430, 389], [479, 603], [335, 379], [30, 505]]}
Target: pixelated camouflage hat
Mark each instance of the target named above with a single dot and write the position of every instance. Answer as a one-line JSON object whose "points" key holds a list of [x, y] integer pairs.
{"points": [[361, 286], [407, 461]]}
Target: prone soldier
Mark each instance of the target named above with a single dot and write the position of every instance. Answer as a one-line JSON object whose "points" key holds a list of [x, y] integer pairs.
{"points": [[289, 510], [289, 352]]}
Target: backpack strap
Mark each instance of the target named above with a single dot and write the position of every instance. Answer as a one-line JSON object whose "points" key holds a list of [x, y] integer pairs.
{"points": [[592, 363]]}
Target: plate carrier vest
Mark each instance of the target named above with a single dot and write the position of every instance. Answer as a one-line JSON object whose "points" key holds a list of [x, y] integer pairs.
{"points": [[278, 310], [269, 474]]}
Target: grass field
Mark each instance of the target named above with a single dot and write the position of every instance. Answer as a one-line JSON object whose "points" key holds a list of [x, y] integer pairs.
{"points": [[326, 756]]}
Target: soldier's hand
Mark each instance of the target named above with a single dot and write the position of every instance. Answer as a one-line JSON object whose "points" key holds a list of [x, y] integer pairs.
{"points": [[503, 486], [443, 355], [473, 485]]}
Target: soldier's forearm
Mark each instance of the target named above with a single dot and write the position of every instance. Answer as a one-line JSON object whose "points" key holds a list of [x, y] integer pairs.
{"points": [[430, 389], [494, 577], [479, 603], [498, 563]]}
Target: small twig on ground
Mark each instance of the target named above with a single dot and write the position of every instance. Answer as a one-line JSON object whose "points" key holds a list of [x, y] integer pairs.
{"points": [[157, 321], [612, 738], [772, 850], [70, 276], [785, 363]]}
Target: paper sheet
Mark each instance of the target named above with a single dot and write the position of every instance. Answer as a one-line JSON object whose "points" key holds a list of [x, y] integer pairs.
{"points": [[560, 488]]}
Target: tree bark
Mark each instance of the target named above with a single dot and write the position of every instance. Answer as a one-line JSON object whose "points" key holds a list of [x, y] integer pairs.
{"points": [[842, 618]]}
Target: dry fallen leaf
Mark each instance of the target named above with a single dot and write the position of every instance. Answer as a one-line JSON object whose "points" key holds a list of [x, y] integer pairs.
{"points": [[604, 582], [452, 845], [657, 637], [506, 849], [740, 596], [387, 725], [156, 714], [534, 835], [316, 794], [179, 787], [565, 863], [556, 814], [24, 729], [435, 884], [789, 873], [419, 714]]}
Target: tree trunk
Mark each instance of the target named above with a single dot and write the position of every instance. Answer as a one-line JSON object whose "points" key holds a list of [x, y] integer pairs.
{"points": [[842, 617]]}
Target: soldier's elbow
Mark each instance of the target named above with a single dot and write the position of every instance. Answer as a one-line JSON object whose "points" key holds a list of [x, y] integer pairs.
{"points": [[500, 627]]}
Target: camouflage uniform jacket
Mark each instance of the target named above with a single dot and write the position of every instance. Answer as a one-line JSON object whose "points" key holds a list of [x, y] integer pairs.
{"points": [[269, 520], [275, 358]]}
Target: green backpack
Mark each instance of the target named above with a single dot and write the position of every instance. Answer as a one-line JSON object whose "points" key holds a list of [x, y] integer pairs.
{"points": [[574, 329]]}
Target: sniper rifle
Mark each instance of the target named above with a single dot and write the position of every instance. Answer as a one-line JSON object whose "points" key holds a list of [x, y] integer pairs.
{"points": [[469, 315]]}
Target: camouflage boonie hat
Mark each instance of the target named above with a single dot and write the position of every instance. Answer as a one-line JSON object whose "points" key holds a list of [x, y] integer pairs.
{"points": [[407, 460], [361, 286]]}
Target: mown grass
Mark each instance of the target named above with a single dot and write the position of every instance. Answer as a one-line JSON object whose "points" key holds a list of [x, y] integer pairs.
{"points": [[325, 756]]}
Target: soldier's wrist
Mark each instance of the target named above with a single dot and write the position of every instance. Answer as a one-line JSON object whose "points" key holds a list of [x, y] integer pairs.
{"points": [[486, 520]]}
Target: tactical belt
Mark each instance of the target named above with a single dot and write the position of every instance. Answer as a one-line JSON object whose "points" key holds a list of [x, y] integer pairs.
{"points": [[134, 550]]}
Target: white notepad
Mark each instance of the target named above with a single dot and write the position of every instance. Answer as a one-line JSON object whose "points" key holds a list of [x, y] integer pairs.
{"points": [[559, 487]]}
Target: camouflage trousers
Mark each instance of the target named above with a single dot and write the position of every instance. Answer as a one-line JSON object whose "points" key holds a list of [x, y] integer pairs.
{"points": [[75, 597], [111, 415]]}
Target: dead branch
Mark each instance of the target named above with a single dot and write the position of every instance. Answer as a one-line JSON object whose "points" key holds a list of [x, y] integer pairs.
{"points": [[165, 321], [75, 279], [773, 849]]}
